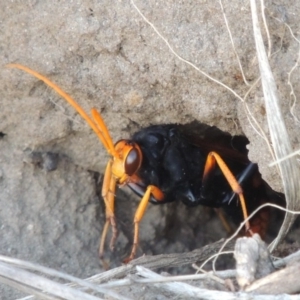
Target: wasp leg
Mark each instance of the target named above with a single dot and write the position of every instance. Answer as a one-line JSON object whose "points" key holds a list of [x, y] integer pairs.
{"points": [[211, 161], [108, 194], [260, 222], [158, 195], [224, 222]]}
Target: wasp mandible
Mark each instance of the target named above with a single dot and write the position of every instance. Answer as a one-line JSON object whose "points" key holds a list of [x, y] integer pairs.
{"points": [[161, 164]]}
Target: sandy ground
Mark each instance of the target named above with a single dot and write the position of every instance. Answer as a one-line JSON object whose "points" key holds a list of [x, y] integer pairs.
{"points": [[106, 56]]}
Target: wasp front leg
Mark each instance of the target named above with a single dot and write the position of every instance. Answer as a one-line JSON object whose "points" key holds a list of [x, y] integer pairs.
{"points": [[150, 191], [108, 194]]}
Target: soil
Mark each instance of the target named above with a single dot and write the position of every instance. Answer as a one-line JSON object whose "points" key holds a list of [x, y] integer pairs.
{"points": [[106, 56]]}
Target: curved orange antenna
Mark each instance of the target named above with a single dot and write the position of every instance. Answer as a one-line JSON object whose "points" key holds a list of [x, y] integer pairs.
{"points": [[97, 124], [101, 125]]}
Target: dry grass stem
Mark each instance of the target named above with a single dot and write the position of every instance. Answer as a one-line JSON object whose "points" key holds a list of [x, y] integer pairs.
{"points": [[232, 43], [279, 136]]}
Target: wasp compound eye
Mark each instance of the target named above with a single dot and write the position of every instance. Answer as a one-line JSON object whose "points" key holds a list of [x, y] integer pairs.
{"points": [[133, 161]]}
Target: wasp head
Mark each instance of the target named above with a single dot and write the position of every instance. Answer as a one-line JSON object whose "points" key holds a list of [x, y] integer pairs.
{"points": [[127, 159]]}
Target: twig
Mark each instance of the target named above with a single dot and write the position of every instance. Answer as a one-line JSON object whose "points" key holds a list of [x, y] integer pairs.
{"points": [[187, 290], [162, 261], [41, 284], [284, 281]]}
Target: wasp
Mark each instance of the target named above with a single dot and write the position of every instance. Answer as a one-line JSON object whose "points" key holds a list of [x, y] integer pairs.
{"points": [[165, 163]]}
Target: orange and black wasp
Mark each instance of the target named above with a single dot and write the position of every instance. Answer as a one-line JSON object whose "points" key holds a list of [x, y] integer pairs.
{"points": [[165, 163]]}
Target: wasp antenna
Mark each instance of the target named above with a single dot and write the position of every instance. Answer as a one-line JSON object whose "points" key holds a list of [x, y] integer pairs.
{"points": [[71, 101], [103, 128]]}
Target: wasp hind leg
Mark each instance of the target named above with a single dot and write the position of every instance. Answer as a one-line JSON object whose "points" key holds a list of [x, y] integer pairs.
{"points": [[224, 221], [214, 158]]}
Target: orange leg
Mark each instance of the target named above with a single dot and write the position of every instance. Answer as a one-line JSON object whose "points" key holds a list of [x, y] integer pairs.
{"points": [[221, 216], [211, 161], [108, 194], [158, 194], [260, 222]]}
